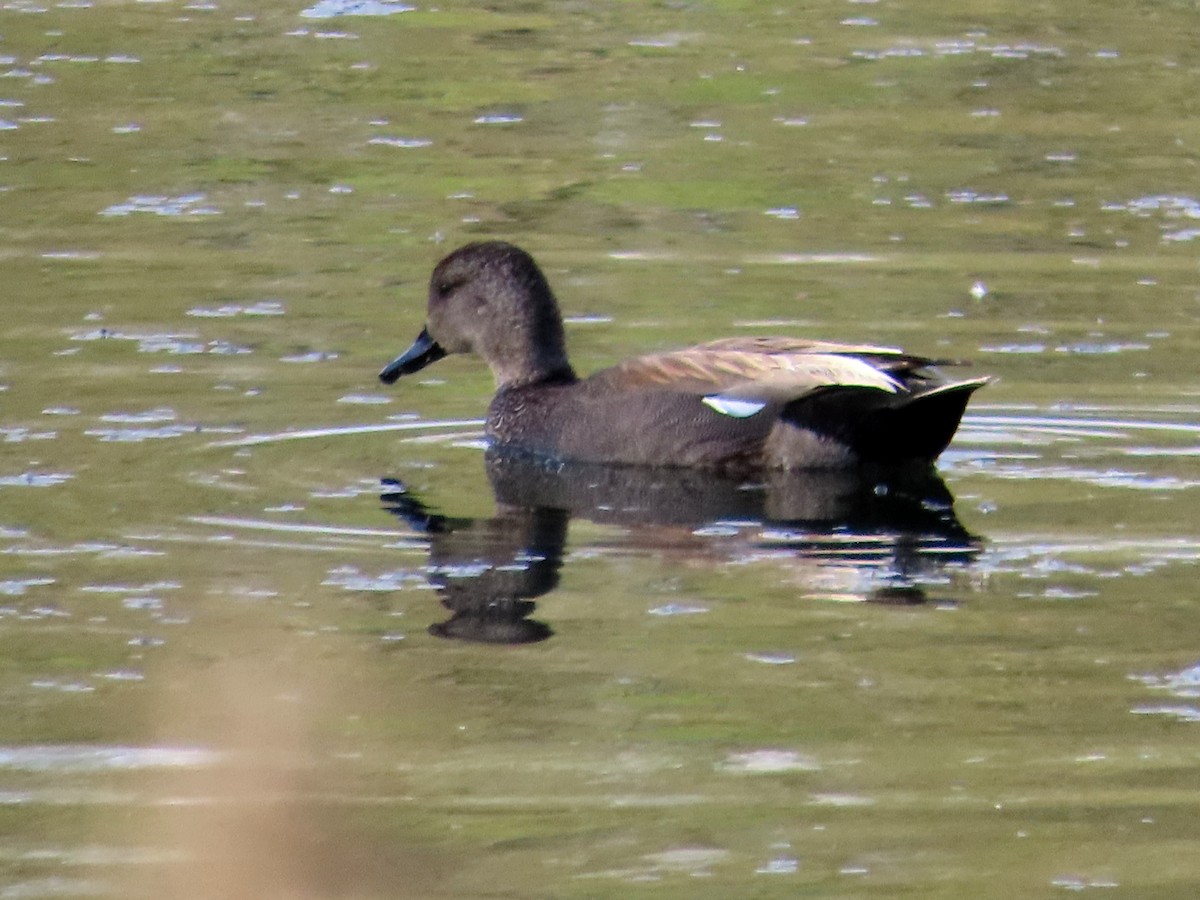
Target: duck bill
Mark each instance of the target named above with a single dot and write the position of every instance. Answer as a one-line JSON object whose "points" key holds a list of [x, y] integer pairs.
{"points": [[425, 350]]}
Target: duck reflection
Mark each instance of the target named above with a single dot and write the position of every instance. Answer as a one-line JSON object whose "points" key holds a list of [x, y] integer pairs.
{"points": [[487, 571]]}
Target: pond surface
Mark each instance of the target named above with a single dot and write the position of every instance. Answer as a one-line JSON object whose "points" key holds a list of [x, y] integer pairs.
{"points": [[270, 629]]}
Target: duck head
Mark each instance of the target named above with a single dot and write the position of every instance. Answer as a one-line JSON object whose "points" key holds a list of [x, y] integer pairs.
{"points": [[490, 299]]}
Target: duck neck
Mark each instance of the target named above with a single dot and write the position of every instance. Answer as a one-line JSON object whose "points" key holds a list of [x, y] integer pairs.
{"points": [[543, 368], [534, 350]]}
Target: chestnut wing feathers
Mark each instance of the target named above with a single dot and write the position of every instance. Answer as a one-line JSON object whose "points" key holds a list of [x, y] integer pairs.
{"points": [[771, 369]]}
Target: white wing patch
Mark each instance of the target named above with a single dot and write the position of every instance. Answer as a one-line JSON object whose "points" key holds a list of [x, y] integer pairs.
{"points": [[731, 406]]}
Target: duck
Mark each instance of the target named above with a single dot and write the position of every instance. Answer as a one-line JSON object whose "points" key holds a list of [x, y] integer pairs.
{"points": [[737, 405]]}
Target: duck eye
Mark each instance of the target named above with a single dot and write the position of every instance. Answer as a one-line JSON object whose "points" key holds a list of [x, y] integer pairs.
{"points": [[447, 286]]}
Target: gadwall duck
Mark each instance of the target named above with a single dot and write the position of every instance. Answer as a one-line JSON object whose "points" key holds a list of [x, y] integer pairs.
{"points": [[736, 405]]}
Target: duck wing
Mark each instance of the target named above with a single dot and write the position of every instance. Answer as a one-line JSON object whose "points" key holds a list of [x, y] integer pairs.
{"points": [[887, 359], [740, 377]]}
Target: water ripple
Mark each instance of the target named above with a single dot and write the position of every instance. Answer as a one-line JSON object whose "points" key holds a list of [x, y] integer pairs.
{"points": [[328, 9], [36, 479], [159, 205], [1185, 683], [84, 758], [15, 587]]}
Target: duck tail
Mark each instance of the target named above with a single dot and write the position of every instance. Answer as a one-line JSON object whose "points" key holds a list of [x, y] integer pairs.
{"points": [[915, 427]]}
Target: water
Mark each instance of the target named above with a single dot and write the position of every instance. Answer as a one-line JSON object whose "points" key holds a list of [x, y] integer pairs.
{"points": [[272, 630]]}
